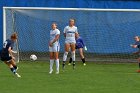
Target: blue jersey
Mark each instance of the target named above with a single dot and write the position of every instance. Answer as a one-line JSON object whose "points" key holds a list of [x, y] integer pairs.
{"points": [[8, 43], [79, 43], [4, 55], [138, 44]]}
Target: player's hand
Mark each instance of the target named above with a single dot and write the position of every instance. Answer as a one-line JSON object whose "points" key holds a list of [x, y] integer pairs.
{"points": [[50, 44], [85, 48], [13, 58], [134, 46], [14, 51]]}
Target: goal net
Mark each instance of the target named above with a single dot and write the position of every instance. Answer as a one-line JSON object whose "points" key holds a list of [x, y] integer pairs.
{"points": [[107, 33]]}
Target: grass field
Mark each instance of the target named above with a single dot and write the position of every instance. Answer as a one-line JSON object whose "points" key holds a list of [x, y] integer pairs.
{"points": [[92, 78]]}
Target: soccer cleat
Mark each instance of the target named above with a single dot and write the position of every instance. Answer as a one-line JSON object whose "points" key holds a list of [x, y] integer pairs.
{"points": [[50, 71], [17, 75], [84, 64], [16, 69], [63, 66], [57, 72], [73, 65], [69, 64]]}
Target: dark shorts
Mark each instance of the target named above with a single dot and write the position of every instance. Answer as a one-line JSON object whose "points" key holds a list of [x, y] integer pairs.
{"points": [[4, 56], [78, 47]]}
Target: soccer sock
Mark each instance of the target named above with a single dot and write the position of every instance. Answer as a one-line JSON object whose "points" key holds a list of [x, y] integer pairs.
{"points": [[139, 65], [63, 64], [70, 60], [57, 64], [83, 60], [15, 67], [65, 56], [73, 55], [51, 64], [73, 63], [13, 70]]}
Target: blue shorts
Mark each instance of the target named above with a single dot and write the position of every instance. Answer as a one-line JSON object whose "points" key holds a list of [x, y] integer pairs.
{"points": [[4, 56], [78, 47]]}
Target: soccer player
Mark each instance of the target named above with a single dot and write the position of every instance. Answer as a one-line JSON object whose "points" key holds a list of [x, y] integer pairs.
{"points": [[54, 47], [137, 45], [79, 45], [70, 33], [7, 54]]}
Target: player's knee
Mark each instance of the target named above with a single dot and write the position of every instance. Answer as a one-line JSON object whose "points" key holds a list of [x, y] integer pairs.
{"points": [[66, 53], [139, 60], [73, 53], [51, 57]]}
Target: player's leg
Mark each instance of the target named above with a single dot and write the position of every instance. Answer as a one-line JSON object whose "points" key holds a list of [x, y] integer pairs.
{"points": [[14, 64], [10, 66], [51, 59], [139, 65], [14, 67], [82, 56], [70, 60], [67, 47], [56, 57], [73, 53]]}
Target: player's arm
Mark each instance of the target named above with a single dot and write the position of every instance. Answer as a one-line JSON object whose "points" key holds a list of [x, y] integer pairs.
{"points": [[134, 46], [83, 44], [76, 33], [10, 52], [64, 32], [56, 38]]}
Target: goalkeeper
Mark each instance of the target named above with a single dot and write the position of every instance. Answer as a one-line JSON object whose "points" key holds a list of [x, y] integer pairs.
{"points": [[79, 45], [137, 45]]}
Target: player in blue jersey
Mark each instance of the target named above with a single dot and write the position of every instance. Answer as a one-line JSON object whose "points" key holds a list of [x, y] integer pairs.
{"points": [[7, 54], [137, 45], [54, 47], [79, 45]]}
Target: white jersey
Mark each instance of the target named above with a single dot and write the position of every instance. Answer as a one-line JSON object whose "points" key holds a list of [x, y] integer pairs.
{"points": [[70, 34], [53, 33]]}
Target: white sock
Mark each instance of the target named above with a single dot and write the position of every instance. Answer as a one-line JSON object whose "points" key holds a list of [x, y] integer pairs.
{"points": [[73, 55], [51, 64], [65, 56], [57, 64]]}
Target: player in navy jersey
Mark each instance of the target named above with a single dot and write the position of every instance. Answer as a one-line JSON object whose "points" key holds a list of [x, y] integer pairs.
{"points": [[7, 54], [137, 45], [79, 45]]}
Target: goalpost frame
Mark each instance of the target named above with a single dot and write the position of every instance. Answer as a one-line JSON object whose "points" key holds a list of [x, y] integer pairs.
{"points": [[50, 8], [59, 9]]}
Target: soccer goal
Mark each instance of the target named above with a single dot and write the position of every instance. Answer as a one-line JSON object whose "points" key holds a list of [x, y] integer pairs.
{"points": [[107, 33]]}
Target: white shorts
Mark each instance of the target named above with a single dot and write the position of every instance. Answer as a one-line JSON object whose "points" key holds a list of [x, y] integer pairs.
{"points": [[54, 48], [70, 41]]}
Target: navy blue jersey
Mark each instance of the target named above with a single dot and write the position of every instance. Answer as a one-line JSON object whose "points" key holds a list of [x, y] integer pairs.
{"points": [[138, 44], [5, 53], [8, 43], [79, 43]]}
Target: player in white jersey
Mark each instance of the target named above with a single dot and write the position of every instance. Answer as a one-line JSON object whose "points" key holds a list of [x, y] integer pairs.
{"points": [[54, 47], [70, 32]]}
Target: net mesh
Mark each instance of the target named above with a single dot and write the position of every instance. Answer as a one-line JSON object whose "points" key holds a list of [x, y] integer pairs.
{"points": [[106, 34]]}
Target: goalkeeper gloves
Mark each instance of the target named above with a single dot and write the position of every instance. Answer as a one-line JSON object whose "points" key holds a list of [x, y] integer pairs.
{"points": [[85, 48]]}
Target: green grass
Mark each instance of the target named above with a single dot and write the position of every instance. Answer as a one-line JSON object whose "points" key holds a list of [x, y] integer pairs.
{"points": [[92, 78]]}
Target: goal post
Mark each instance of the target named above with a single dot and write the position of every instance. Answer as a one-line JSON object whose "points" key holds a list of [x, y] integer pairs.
{"points": [[107, 33]]}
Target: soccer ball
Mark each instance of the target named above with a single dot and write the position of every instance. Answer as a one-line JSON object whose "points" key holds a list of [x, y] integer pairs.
{"points": [[33, 57]]}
